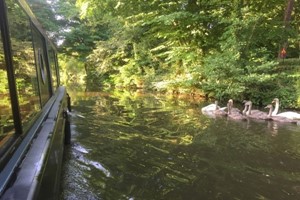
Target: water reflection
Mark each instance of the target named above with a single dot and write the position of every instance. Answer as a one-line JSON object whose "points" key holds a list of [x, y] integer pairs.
{"points": [[152, 147]]}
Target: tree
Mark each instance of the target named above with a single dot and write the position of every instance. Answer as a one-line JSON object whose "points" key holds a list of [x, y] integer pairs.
{"points": [[222, 48], [287, 21]]}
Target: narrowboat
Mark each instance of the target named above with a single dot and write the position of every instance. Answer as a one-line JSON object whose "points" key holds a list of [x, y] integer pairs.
{"points": [[34, 125]]}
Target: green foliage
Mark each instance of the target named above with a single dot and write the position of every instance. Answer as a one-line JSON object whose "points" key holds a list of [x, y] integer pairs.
{"points": [[225, 49], [221, 76], [3, 82], [245, 65], [72, 70]]}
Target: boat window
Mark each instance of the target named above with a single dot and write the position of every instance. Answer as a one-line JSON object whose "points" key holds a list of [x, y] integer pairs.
{"points": [[53, 66], [41, 65], [6, 118], [43, 74], [24, 63]]}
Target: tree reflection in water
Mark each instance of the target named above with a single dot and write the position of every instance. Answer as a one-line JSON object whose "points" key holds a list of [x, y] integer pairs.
{"points": [[155, 147]]}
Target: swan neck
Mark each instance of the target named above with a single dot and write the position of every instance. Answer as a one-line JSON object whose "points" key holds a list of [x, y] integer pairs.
{"points": [[270, 111], [245, 110], [229, 107], [216, 103], [276, 108], [249, 110]]}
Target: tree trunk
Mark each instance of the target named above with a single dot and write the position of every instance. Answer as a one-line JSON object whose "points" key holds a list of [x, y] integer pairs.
{"points": [[287, 19], [288, 13]]}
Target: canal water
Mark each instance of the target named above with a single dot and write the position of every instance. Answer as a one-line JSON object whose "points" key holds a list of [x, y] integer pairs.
{"points": [[150, 147]]}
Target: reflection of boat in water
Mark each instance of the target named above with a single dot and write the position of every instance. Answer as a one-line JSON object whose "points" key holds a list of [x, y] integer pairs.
{"points": [[33, 107]]}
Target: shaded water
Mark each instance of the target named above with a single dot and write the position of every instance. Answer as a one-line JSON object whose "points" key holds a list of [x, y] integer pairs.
{"points": [[146, 147]]}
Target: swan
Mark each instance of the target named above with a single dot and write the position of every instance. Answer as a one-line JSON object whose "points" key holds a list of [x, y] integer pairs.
{"points": [[289, 114], [278, 118], [213, 109], [246, 104], [254, 114], [234, 113], [230, 107], [248, 108]]}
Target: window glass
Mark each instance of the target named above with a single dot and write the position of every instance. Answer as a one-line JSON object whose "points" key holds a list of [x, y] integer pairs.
{"points": [[41, 63], [52, 61], [6, 118], [24, 63]]}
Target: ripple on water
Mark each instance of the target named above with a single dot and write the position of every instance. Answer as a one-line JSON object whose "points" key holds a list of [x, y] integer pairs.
{"points": [[80, 153], [149, 151]]}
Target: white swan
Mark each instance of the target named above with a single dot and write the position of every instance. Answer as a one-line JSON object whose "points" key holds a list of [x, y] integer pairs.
{"points": [[210, 107], [289, 114], [254, 114], [213, 109], [279, 118], [234, 113]]}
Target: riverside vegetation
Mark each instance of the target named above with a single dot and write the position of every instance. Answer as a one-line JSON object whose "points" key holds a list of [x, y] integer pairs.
{"points": [[216, 49]]}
